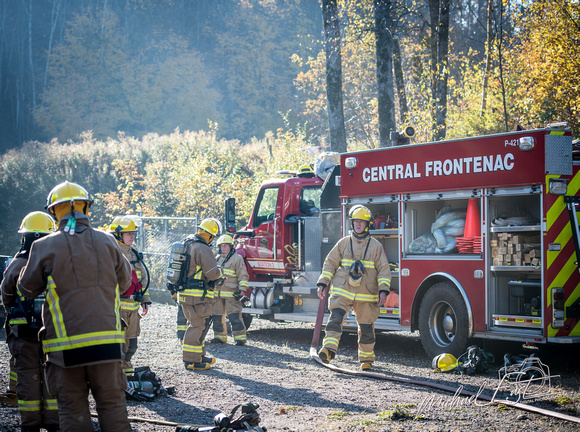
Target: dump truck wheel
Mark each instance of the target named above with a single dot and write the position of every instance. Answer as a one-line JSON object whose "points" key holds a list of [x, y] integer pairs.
{"points": [[443, 321]]}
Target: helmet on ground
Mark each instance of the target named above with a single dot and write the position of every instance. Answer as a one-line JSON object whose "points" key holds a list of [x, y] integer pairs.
{"points": [[225, 239], [210, 226], [305, 171], [123, 224], [444, 362], [360, 212], [37, 222], [67, 192]]}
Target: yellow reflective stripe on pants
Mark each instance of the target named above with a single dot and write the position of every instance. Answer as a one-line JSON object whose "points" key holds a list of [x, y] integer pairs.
{"points": [[50, 404], [330, 342], [33, 405], [193, 348], [83, 340]]}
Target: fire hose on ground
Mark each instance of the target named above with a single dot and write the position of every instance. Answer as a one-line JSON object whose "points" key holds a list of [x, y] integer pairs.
{"points": [[457, 391]]}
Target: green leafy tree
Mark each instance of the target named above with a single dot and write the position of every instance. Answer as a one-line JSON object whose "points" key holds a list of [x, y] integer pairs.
{"points": [[96, 83]]}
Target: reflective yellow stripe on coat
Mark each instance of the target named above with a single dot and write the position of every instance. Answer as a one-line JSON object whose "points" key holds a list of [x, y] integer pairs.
{"points": [[63, 341]]}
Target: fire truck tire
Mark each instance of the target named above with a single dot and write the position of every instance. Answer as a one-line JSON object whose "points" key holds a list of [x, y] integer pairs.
{"points": [[443, 321]]}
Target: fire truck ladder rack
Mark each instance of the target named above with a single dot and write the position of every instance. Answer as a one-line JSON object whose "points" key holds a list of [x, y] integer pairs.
{"points": [[423, 383], [571, 202]]}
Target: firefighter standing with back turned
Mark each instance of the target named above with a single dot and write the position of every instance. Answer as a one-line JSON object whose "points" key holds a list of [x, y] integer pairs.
{"points": [[359, 271], [123, 229], [227, 295], [197, 297], [37, 408], [82, 271]]}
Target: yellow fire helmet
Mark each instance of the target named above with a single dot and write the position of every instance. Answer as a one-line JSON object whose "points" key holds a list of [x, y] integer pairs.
{"points": [[67, 192], [128, 223], [225, 239], [444, 363], [360, 212], [210, 226], [305, 171], [37, 222]]}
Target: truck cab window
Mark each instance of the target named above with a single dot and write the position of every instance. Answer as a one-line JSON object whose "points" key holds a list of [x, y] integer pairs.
{"points": [[310, 201], [266, 206]]}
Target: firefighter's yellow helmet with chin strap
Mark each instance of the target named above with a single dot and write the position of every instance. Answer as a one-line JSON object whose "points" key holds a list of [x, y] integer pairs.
{"points": [[225, 239], [68, 192], [38, 223], [124, 224], [208, 229]]}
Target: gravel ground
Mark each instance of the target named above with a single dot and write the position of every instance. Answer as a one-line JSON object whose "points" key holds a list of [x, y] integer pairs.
{"points": [[296, 394]]}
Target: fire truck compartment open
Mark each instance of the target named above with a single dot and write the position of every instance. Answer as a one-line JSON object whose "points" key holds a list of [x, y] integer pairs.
{"points": [[515, 255]]}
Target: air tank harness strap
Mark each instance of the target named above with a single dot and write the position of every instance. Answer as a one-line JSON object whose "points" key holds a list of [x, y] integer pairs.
{"points": [[197, 284]]}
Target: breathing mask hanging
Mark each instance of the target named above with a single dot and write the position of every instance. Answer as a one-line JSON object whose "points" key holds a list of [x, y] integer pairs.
{"points": [[355, 273], [357, 269]]}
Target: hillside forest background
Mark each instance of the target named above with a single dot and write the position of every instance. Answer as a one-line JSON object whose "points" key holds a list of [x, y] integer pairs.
{"points": [[167, 107]]}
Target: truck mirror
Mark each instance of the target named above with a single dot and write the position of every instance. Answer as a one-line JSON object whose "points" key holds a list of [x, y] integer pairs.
{"points": [[230, 215]]}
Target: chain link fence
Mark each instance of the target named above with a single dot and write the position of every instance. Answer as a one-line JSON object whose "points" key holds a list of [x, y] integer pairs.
{"points": [[154, 239]]}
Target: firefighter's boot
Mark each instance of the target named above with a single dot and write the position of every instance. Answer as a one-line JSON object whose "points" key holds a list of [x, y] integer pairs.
{"points": [[326, 355], [366, 366], [208, 359], [197, 366], [240, 342]]}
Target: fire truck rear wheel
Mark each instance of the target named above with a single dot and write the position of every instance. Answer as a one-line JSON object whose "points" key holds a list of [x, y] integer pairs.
{"points": [[443, 321]]}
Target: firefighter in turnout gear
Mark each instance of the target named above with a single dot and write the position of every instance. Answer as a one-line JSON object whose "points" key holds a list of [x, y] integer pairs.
{"points": [[38, 409], [359, 276], [123, 229], [81, 271], [227, 295], [197, 297]]}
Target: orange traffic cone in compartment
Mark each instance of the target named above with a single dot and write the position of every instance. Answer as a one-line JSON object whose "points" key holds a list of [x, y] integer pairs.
{"points": [[471, 240], [472, 221]]}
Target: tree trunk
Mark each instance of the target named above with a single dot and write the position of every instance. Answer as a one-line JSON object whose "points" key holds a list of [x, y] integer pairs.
{"points": [[500, 57], [439, 14], [487, 57], [434, 15], [385, 85], [334, 76], [31, 61], [400, 82]]}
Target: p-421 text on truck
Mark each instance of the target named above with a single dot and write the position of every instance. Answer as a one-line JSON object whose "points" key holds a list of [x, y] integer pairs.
{"points": [[481, 233]]}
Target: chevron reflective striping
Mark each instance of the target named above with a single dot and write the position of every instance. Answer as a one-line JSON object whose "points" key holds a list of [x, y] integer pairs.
{"points": [[562, 263]]}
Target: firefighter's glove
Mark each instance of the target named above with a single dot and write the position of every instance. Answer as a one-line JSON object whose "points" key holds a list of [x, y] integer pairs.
{"points": [[321, 289], [383, 297], [216, 283]]}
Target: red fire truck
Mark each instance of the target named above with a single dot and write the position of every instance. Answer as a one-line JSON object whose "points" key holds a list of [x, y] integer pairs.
{"points": [[513, 276]]}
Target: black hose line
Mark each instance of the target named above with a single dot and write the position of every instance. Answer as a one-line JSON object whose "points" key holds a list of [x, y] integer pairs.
{"points": [[458, 391]]}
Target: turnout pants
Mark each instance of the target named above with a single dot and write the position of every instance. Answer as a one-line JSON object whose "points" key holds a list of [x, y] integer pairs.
{"points": [[198, 320], [37, 407], [130, 314], [181, 322], [366, 314], [107, 383], [233, 309]]}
